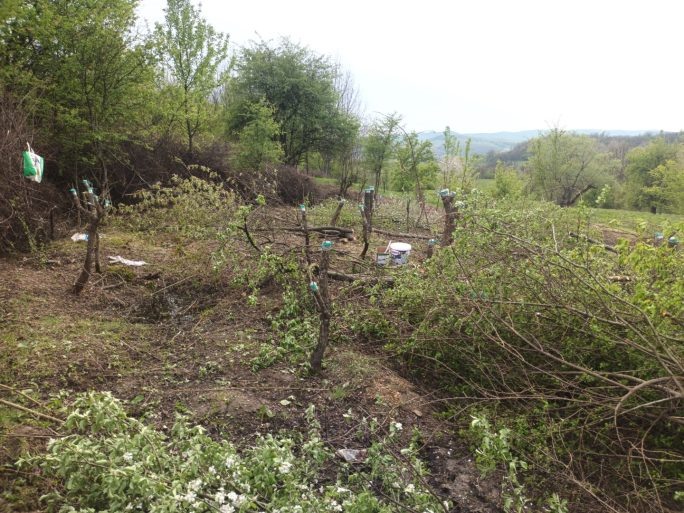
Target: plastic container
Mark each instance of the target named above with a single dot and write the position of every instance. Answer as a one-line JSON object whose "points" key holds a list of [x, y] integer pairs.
{"points": [[400, 252], [382, 258]]}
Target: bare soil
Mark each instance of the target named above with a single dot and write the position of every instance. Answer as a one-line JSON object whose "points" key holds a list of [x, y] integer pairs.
{"points": [[167, 338]]}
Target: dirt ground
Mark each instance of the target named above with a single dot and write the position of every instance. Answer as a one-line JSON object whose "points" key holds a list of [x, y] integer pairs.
{"points": [[165, 339]]}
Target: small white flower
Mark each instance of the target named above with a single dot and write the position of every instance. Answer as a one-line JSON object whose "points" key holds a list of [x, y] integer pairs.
{"points": [[128, 457], [410, 488], [220, 497], [398, 426], [195, 485], [212, 470], [190, 497], [230, 461], [342, 490], [285, 467], [226, 508], [232, 496]]}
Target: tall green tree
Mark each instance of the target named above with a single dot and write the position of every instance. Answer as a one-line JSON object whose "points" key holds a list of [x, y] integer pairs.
{"points": [[417, 167], [299, 84], [665, 191], [642, 183], [91, 72], [257, 144], [193, 56], [563, 166], [379, 144]]}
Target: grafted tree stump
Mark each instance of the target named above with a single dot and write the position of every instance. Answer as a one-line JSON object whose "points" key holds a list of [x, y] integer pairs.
{"points": [[94, 212]]}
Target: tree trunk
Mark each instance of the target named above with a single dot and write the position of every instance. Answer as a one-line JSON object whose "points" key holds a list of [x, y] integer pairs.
{"points": [[367, 215], [88, 263], [324, 313], [449, 219], [338, 210]]}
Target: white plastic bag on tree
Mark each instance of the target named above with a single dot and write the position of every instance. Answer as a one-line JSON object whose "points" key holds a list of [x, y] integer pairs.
{"points": [[33, 165]]}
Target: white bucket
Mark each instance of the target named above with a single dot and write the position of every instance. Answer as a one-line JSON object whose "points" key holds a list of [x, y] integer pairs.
{"points": [[400, 252]]}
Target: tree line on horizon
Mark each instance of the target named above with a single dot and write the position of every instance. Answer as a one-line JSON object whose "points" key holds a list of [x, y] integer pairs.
{"points": [[102, 100], [644, 173]]}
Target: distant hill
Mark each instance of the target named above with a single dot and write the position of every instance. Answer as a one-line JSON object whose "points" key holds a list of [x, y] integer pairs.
{"points": [[483, 143]]}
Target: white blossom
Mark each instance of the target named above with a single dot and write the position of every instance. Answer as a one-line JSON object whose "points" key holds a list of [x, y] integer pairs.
{"points": [[212, 470], [285, 467], [195, 485], [410, 488], [220, 497], [230, 461], [226, 508], [128, 457]]}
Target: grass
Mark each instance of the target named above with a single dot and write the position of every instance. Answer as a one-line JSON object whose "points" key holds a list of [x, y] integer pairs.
{"points": [[638, 222]]}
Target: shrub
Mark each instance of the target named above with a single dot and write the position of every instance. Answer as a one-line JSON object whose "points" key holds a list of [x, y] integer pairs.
{"points": [[584, 342], [109, 462]]}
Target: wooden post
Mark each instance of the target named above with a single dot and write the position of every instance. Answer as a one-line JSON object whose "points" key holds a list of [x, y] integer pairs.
{"points": [[322, 296]]}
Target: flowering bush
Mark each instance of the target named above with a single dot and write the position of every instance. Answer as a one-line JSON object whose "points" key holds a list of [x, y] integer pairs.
{"points": [[113, 463]]}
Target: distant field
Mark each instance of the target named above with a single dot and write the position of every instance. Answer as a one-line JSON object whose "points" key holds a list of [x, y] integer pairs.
{"points": [[630, 220], [633, 220]]}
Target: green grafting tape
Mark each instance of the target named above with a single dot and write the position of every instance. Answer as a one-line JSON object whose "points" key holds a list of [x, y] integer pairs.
{"points": [[444, 192], [361, 207], [326, 245], [313, 286], [672, 241], [73, 192], [302, 207], [432, 242]]}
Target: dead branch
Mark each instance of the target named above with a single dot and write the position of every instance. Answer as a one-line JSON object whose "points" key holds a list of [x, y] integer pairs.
{"points": [[607, 247], [397, 235]]}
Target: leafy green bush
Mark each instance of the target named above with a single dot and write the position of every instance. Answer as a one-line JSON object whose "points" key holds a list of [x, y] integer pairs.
{"points": [[523, 312], [193, 207], [109, 462]]}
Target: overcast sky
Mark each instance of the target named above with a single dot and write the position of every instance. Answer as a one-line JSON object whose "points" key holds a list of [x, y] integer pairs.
{"points": [[486, 65]]}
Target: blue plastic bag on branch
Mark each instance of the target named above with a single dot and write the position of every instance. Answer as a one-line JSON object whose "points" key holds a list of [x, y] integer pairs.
{"points": [[33, 165]]}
